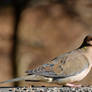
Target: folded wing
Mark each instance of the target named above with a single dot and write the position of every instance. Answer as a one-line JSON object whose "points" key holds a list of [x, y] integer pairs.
{"points": [[65, 65]]}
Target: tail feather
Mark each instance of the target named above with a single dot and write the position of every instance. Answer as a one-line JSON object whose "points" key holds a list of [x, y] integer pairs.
{"points": [[28, 77], [14, 80]]}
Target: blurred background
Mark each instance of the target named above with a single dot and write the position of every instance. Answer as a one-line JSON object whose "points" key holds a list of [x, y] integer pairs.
{"points": [[35, 31]]}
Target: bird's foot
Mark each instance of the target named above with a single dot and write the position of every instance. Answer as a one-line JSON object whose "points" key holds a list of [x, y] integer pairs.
{"points": [[73, 85]]}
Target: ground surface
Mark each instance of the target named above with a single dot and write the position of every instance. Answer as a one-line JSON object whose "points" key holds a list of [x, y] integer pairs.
{"points": [[45, 89]]}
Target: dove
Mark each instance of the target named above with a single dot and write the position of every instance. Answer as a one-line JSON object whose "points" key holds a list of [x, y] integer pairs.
{"points": [[65, 69]]}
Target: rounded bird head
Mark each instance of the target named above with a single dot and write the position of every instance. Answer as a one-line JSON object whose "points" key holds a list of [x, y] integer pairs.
{"points": [[87, 41]]}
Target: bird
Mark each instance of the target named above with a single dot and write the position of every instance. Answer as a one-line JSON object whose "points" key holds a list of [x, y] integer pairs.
{"points": [[64, 69]]}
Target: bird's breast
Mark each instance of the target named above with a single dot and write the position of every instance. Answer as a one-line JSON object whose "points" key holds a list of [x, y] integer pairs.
{"points": [[73, 78]]}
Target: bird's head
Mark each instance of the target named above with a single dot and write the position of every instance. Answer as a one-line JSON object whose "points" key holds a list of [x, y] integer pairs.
{"points": [[87, 42]]}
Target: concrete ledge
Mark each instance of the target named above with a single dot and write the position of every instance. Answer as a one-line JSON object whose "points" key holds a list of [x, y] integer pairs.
{"points": [[45, 89]]}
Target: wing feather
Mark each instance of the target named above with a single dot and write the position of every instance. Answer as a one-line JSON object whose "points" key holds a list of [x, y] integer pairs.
{"points": [[65, 65]]}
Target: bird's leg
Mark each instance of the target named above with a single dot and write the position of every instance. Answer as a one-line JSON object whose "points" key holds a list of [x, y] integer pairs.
{"points": [[72, 85]]}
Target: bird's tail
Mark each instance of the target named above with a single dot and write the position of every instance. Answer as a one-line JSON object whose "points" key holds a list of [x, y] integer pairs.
{"points": [[14, 80], [27, 77]]}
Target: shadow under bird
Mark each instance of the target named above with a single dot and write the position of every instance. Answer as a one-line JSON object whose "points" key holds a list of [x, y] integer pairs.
{"points": [[64, 69]]}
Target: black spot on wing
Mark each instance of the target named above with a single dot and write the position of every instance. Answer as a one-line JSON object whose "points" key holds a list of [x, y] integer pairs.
{"points": [[54, 59]]}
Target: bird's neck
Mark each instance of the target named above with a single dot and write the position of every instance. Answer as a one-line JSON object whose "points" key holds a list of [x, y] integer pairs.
{"points": [[88, 52]]}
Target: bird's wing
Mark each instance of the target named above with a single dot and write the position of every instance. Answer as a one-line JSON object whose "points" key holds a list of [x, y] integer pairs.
{"points": [[65, 65]]}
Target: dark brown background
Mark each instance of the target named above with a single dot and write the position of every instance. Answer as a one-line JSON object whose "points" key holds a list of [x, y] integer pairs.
{"points": [[33, 32]]}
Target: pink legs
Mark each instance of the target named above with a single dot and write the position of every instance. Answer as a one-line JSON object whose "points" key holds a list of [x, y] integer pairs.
{"points": [[72, 85]]}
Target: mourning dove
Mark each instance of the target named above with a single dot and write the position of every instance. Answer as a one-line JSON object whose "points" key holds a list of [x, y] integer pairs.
{"points": [[64, 69]]}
